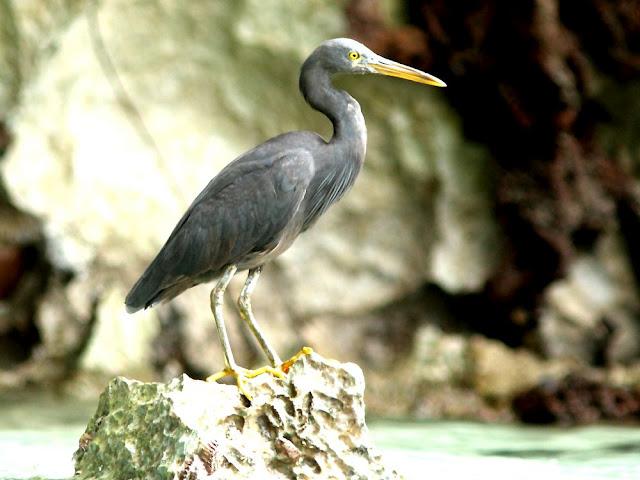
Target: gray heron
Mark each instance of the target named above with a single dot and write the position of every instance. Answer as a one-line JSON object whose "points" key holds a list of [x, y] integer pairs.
{"points": [[257, 205]]}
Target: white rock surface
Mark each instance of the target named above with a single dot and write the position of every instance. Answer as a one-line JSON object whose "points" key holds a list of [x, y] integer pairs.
{"points": [[311, 425]]}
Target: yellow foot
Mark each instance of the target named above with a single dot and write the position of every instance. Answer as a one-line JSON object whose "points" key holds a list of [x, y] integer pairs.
{"points": [[286, 365], [241, 374]]}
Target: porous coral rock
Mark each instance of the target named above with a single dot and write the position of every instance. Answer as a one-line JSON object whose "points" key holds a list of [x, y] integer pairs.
{"points": [[311, 425]]}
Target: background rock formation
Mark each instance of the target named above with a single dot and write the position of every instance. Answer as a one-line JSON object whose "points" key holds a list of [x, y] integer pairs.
{"points": [[108, 200], [505, 206]]}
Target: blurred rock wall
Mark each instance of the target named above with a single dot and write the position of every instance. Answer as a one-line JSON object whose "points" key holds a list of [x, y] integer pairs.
{"points": [[209, 80], [117, 113]]}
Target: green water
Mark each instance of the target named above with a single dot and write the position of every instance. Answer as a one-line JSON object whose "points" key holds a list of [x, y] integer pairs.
{"points": [[38, 437], [481, 451]]}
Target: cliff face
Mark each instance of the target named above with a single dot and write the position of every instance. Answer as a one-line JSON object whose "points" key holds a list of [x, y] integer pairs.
{"points": [[209, 81], [541, 84], [505, 205]]}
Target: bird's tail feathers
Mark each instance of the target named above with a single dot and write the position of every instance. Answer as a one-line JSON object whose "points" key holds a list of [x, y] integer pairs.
{"points": [[148, 291], [145, 291]]}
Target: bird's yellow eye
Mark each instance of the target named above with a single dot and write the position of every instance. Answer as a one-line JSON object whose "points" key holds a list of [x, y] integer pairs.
{"points": [[353, 55]]}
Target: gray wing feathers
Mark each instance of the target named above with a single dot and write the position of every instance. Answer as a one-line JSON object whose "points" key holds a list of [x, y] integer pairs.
{"points": [[247, 208], [328, 187]]}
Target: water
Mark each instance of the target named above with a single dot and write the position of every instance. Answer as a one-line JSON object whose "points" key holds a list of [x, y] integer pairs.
{"points": [[481, 451], [38, 436]]}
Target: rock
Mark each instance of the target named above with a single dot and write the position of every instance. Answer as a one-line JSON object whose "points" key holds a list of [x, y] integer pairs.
{"points": [[590, 315], [311, 425], [454, 376], [576, 399], [9, 68], [210, 81], [23, 278], [439, 358], [499, 372], [459, 376]]}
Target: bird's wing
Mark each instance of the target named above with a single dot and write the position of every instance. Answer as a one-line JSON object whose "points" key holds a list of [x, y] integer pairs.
{"points": [[246, 209], [327, 187]]}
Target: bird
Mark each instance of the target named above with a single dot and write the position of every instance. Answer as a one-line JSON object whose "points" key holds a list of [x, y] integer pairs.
{"points": [[256, 206]]}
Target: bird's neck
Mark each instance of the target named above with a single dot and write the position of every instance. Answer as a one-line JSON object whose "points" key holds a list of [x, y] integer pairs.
{"points": [[349, 130], [337, 165]]}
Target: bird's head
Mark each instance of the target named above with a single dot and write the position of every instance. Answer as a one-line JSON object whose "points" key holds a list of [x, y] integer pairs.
{"points": [[344, 55]]}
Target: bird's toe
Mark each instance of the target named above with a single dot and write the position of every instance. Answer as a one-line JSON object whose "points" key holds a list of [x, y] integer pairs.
{"points": [[286, 365]]}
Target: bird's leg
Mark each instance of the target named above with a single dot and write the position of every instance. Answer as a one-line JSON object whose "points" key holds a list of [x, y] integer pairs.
{"points": [[217, 299], [231, 367], [244, 306]]}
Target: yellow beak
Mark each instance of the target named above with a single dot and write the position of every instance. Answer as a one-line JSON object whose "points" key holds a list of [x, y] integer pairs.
{"points": [[394, 69]]}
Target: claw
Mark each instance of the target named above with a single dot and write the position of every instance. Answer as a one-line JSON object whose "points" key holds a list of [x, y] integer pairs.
{"points": [[241, 374], [266, 369], [286, 365], [218, 375], [241, 382]]}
